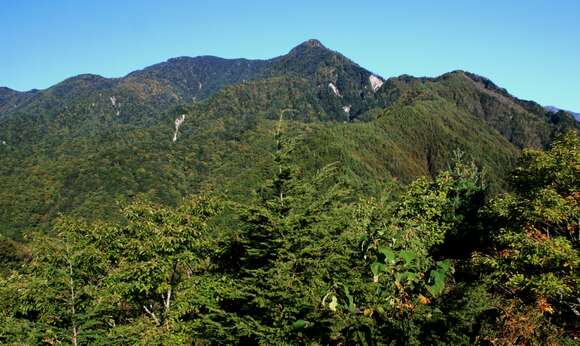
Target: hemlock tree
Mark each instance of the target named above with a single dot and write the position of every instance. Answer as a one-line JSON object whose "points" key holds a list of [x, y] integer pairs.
{"points": [[295, 247]]}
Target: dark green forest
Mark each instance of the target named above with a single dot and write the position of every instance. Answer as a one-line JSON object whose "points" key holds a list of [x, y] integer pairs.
{"points": [[305, 262], [301, 200]]}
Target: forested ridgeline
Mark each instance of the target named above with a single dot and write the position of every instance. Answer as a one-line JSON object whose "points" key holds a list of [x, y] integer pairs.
{"points": [[89, 143], [305, 261]]}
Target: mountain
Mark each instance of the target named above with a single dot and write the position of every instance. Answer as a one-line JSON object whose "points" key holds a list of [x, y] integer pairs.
{"points": [[94, 102], [197, 78], [88, 143], [523, 123], [553, 109], [10, 99]]}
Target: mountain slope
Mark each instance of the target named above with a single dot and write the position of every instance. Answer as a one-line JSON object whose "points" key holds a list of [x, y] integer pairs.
{"points": [[197, 78], [10, 99], [523, 123], [345, 89], [94, 102], [89, 142]]}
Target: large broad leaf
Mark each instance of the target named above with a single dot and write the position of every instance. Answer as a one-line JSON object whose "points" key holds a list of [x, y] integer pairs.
{"points": [[407, 256], [438, 277], [405, 277], [377, 268], [351, 305], [389, 254]]}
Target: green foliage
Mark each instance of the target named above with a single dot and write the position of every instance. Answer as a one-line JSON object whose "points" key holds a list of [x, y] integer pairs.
{"points": [[319, 227], [534, 255], [294, 250], [307, 262], [79, 286], [71, 149], [400, 244], [57, 291]]}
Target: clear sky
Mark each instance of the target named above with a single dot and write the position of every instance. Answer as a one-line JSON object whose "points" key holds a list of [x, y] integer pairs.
{"points": [[530, 47]]}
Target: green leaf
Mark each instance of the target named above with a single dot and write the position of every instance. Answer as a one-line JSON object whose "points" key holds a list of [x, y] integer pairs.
{"points": [[299, 324], [408, 256], [438, 277], [377, 268], [351, 305], [388, 253]]}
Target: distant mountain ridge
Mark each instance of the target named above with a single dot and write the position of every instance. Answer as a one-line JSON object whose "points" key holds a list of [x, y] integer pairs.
{"points": [[170, 129], [10, 99], [154, 89], [556, 110], [192, 79]]}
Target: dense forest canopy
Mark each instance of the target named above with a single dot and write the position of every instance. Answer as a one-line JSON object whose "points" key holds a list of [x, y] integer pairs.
{"points": [[306, 262]]}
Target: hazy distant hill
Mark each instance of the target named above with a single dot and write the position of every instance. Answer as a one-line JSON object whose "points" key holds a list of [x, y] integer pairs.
{"points": [[556, 110]]}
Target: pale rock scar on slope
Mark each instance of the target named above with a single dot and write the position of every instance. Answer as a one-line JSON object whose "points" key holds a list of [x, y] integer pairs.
{"points": [[376, 82], [178, 121], [334, 89]]}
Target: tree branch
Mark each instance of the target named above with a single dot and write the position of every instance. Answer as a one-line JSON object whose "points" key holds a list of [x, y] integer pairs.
{"points": [[152, 314]]}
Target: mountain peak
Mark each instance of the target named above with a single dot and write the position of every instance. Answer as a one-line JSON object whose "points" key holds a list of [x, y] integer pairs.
{"points": [[312, 43], [308, 44]]}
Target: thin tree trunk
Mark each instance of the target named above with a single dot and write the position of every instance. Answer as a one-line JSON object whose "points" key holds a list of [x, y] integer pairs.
{"points": [[278, 143], [171, 283], [72, 304], [168, 300]]}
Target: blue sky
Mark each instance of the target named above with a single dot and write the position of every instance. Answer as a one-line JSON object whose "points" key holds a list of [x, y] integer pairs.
{"points": [[530, 47]]}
